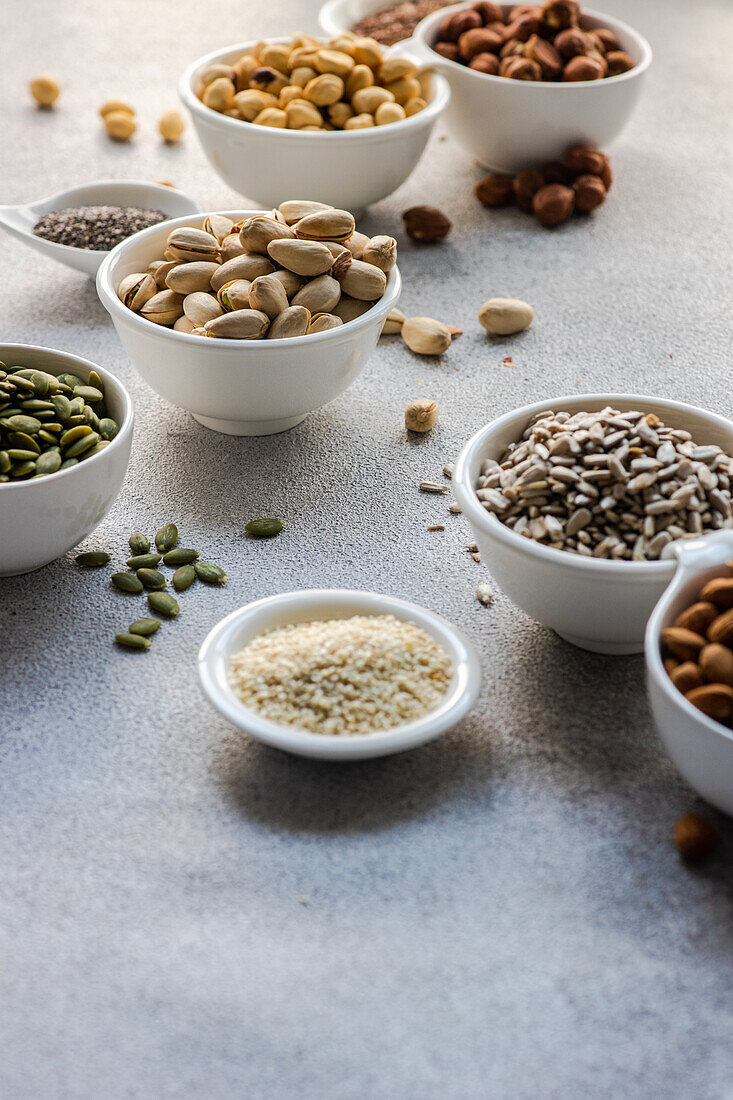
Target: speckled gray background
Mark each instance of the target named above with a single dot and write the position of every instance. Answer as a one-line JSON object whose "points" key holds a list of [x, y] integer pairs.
{"points": [[186, 914]]}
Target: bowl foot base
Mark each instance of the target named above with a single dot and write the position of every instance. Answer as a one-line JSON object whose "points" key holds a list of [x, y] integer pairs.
{"points": [[248, 427], [613, 649]]}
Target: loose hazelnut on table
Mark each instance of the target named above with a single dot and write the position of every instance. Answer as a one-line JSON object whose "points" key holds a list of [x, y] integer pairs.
{"points": [[695, 838], [426, 224], [494, 190], [584, 158], [589, 193], [553, 204], [525, 185]]}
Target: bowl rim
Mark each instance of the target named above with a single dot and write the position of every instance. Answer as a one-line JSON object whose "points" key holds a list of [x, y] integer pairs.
{"points": [[191, 101], [108, 296], [653, 654], [108, 378], [425, 26], [478, 516], [459, 698]]}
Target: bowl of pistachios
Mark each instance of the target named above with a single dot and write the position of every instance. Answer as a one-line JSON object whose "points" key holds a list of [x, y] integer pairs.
{"points": [[65, 438], [250, 320], [343, 119]]}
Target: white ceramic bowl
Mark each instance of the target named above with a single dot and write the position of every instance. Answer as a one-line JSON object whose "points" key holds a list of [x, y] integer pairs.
{"points": [[241, 387], [42, 518], [348, 168], [19, 220], [509, 125], [594, 603], [232, 633], [700, 748]]}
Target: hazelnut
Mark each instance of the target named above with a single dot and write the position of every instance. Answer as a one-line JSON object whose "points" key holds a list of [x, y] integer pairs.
{"points": [[448, 50], [695, 838], [560, 14], [546, 56], [553, 204], [485, 63], [421, 415], [455, 25], [524, 27], [572, 43], [583, 68], [513, 47], [522, 9], [490, 13], [555, 172], [618, 62], [584, 159], [495, 190], [520, 68], [478, 40], [426, 224], [606, 174], [525, 185], [606, 37], [589, 193]]}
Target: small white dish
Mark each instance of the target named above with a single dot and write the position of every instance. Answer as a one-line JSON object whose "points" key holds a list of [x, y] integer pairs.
{"points": [[593, 603], [233, 632], [19, 220], [700, 748], [350, 169], [42, 518], [239, 387]]}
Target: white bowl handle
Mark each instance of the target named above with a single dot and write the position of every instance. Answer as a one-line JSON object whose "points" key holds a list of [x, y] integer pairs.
{"points": [[419, 52], [695, 555]]}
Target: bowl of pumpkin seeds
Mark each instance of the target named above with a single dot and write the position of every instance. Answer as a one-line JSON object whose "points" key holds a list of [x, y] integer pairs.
{"points": [[65, 438]]}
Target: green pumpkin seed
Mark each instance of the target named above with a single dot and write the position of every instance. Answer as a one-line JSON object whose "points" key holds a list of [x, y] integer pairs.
{"points": [[20, 454], [4, 462], [27, 442], [23, 469], [167, 537], [88, 393], [108, 428], [77, 406], [70, 380], [97, 448], [164, 604], [143, 561], [127, 582], [48, 463], [77, 432], [180, 556], [36, 404], [68, 463], [24, 384], [132, 641], [209, 573], [82, 445], [144, 626], [22, 423], [139, 544], [152, 578], [62, 405], [92, 559], [90, 417], [264, 528], [95, 380], [47, 437], [42, 382], [184, 577]]}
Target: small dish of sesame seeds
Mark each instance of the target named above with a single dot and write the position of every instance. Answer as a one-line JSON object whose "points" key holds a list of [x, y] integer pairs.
{"points": [[78, 227], [339, 675]]}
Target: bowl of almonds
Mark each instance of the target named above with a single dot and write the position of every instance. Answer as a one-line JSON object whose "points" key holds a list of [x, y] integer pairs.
{"points": [[578, 504], [529, 81], [342, 119], [689, 658], [251, 319]]}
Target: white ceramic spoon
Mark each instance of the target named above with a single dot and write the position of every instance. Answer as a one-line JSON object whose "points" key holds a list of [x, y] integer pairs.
{"points": [[19, 220]]}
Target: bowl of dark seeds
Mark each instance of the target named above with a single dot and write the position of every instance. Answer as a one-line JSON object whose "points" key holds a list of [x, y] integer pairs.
{"points": [[578, 506], [65, 438], [79, 227]]}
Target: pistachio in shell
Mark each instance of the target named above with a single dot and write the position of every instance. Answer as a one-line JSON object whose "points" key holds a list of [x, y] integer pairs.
{"points": [[163, 308], [137, 289], [320, 295], [322, 322], [235, 295], [293, 321], [267, 294], [250, 265], [187, 243], [188, 278], [307, 258], [294, 210], [363, 281], [242, 324], [259, 231], [201, 307], [326, 225]]}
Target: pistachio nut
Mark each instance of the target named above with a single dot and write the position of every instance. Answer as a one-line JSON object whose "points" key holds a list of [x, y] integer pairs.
{"points": [[187, 243], [324, 90], [258, 232], [201, 307], [184, 325], [252, 102], [326, 225], [335, 248], [235, 295], [294, 210], [188, 278], [303, 257], [242, 324], [289, 280], [356, 244], [250, 265], [381, 251], [160, 270], [268, 295], [393, 324], [163, 308], [363, 281], [218, 225], [231, 246], [349, 309], [293, 321], [505, 316], [322, 322], [319, 295], [425, 336], [135, 290]]}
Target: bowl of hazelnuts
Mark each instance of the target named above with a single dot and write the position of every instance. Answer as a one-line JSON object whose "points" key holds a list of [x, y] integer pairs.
{"points": [[528, 81]]}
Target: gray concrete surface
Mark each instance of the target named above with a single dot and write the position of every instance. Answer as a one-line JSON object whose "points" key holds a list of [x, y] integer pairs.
{"points": [[186, 914]]}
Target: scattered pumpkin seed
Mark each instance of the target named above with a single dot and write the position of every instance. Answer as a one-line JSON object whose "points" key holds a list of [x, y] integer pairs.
{"points": [[132, 641], [181, 556], [92, 559], [167, 537], [127, 582], [143, 561], [139, 544], [209, 573], [184, 577], [144, 626], [264, 528], [152, 578], [163, 603]]}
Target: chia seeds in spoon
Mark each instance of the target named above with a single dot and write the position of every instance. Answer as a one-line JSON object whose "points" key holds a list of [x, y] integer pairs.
{"points": [[97, 228]]}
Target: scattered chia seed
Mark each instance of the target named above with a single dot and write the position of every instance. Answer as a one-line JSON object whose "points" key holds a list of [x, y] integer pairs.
{"points": [[396, 21], [97, 228]]}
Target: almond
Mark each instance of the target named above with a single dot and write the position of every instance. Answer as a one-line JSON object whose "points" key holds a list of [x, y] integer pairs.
{"points": [[687, 676], [715, 700], [719, 591], [721, 629], [716, 662], [698, 617], [685, 644]]}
